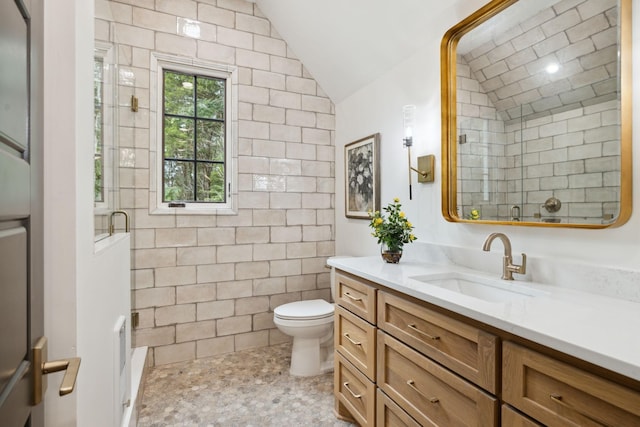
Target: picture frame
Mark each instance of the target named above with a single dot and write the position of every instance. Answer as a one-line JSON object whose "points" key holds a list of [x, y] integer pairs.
{"points": [[362, 177]]}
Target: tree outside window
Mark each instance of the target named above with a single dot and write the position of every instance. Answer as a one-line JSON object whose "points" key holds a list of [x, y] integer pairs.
{"points": [[194, 165]]}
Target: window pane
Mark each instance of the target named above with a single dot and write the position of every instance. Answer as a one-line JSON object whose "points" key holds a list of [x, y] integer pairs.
{"points": [[210, 141], [178, 94], [211, 182], [178, 138], [178, 181], [210, 98], [98, 190]]}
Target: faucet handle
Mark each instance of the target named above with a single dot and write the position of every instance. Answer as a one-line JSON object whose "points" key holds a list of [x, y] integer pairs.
{"points": [[520, 269]]}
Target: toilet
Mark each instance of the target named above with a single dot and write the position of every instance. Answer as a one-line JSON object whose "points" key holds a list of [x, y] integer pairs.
{"points": [[310, 323]]}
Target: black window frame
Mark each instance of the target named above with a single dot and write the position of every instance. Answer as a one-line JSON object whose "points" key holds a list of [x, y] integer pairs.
{"points": [[195, 161]]}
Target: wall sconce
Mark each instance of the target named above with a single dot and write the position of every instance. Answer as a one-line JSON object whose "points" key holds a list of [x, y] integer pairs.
{"points": [[426, 164]]}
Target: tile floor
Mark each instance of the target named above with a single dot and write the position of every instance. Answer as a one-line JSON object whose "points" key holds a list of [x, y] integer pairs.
{"points": [[248, 388]]}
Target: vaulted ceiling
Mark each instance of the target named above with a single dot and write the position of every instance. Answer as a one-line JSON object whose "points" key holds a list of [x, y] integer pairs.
{"points": [[347, 44]]}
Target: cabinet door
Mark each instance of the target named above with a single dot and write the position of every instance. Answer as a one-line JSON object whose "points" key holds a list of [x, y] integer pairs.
{"points": [[512, 418], [355, 339], [431, 394], [354, 392], [356, 296], [558, 394], [464, 349], [389, 414]]}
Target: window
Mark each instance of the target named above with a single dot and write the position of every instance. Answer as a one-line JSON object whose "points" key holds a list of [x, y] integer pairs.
{"points": [[195, 136]]}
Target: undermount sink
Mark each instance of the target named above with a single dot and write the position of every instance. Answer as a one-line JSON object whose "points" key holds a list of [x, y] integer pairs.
{"points": [[483, 288]]}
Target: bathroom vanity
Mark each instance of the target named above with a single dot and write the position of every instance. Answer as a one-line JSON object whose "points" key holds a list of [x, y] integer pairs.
{"points": [[411, 350]]}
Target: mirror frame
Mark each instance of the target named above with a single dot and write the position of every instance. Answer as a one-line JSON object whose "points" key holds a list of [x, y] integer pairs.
{"points": [[449, 119]]}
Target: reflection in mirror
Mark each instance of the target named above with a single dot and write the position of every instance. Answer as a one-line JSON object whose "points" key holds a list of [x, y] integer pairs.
{"points": [[535, 116]]}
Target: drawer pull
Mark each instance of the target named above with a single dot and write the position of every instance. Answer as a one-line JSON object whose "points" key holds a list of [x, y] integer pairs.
{"points": [[411, 383], [558, 399], [351, 297], [415, 328], [346, 385], [346, 335]]}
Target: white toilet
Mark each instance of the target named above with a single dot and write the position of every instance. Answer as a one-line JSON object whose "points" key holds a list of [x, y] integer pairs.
{"points": [[310, 323]]}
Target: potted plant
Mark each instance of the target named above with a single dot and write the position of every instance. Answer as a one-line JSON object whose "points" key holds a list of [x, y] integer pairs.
{"points": [[392, 231]]}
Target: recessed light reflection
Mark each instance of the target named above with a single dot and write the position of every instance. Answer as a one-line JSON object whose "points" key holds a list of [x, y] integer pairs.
{"points": [[552, 68]]}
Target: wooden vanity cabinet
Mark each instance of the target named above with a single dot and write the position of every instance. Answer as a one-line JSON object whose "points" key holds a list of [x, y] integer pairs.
{"points": [[403, 362], [355, 346], [558, 394]]}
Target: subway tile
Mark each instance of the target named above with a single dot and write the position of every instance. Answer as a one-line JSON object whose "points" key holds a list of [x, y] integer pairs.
{"points": [[176, 237], [285, 267], [209, 310], [251, 59], [182, 313], [217, 16], [214, 346], [269, 251], [154, 297], [235, 38], [251, 305], [175, 276], [269, 286], [155, 336], [235, 253], [287, 66], [253, 24], [195, 293], [233, 325], [183, 8], [153, 258], [252, 270], [215, 273], [174, 353], [251, 340], [195, 331], [269, 45], [269, 217], [216, 52]]}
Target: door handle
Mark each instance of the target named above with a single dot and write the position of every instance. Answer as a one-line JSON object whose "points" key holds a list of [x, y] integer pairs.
{"points": [[42, 367]]}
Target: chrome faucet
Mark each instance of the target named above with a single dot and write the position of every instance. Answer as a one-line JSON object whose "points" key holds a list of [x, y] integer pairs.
{"points": [[508, 268]]}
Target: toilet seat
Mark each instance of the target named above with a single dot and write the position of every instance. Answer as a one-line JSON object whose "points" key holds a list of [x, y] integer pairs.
{"points": [[304, 310]]}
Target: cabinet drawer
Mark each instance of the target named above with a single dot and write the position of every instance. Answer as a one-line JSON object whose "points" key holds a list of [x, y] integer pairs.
{"points": [[558, 394], [389, 414], [513, 418], [431, 394], [355, 339], [356, 296], [464, 349], [354, 391]]}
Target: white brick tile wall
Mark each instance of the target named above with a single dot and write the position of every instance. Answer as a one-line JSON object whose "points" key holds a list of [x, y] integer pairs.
{"points": [[207, 284]]}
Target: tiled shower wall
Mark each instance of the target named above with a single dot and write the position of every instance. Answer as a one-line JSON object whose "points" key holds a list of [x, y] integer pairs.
{"points": [[207, 284], [567, 145]]}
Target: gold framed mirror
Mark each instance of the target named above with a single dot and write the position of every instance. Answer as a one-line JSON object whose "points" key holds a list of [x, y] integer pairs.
{"points": [[536, 114]]}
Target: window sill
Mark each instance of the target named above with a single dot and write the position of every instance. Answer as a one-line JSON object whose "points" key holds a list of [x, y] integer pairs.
{"points": [[192, 210]]}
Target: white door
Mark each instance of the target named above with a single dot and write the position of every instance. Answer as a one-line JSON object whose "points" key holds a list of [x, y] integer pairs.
{"points": [[22, 370]]}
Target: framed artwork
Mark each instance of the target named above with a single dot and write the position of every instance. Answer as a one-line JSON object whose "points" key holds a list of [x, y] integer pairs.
{"points": [[362, 176]]}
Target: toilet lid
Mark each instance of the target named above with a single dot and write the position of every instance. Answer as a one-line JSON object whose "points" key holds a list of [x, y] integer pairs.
{"points": [[310, 309]]}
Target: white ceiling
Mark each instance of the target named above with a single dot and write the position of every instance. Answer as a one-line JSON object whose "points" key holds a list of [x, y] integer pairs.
{"points": [[347, 44]]}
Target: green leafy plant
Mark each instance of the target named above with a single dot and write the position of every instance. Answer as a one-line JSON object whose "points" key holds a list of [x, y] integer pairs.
{"points": [[394, 230]]}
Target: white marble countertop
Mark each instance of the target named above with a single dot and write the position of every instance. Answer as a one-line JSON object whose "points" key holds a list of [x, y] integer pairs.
{"points": [[598, 329]]}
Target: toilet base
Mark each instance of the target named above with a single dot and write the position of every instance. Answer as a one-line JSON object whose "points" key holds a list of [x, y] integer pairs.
{"points": [[311, 356]]}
